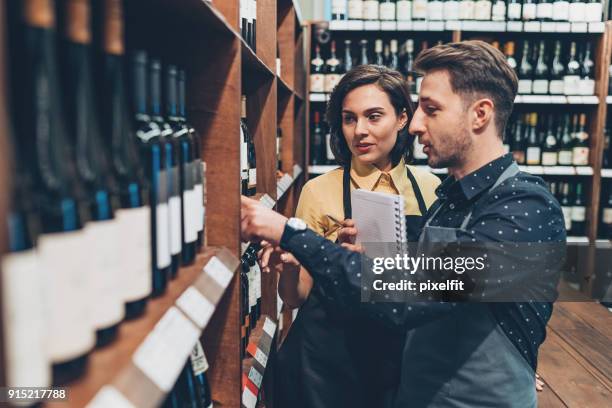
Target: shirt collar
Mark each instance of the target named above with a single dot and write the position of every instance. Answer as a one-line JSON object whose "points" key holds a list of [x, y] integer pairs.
{"points": [[476, 182], [366, 175]]}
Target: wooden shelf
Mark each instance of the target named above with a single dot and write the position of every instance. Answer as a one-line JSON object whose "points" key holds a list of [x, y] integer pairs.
{"points": [[284, 89], [252, 63], [258, 353], [114, 365]]}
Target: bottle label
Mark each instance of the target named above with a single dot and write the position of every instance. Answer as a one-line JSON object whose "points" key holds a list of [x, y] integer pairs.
{"points": [[565, 157], [525, 86], [189, 216], [567, 217], [578, 214], [135, 251], [434, 10], [175, 225], [252, 178], [404, 10], [370, 10], [451, 10], [514, 11], [355, 9], [162, 235], [549, 158], [533, 156], [482, 10], [561, 11], [199, 197], [587, 86], [544, 11], [556, 87], [529, 11], [571, 85], [244, 158], [387, 11], [105, 273], [577, 12], [593, 12], [607, 216], [466, 10], [257, 281], [419, 9], [339, 7], [499, 11], [317, 83], [25, 334], [580, 156], [540, 86], [252, 295], [331, 80], [68, 292], [328, 151], [198, 359]]}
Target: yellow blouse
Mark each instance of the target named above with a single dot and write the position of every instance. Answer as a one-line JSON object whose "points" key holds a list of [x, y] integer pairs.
{"points": [[322, 195]]}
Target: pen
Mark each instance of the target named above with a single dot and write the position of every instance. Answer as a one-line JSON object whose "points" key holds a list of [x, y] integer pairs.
{"points": [[335, 220]]}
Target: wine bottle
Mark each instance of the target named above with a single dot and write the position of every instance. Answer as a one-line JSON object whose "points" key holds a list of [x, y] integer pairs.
{"points": [[606, 218], [370, 10], [518, 142], [534, 150], [419, 9], [435, 10], [244, 19], [134, 214], [317, 72], [482, 10], [183, 143], [62, 244], [244, 147], [529, 10], [565, 148], [587, 73], [404, 10], [593, 11], [580, 151], [566, 207], [525, 71], [607, 153], [408, 65], [577, 11], [509, 52], [466, 10], [419, 79], [252, 160], [170, 163], [348, 58], [549, 151], [378, 52], [252, 311], [317, 140], [561, 10], [355, 9], [514, 10], [26, 363], [571, 79], [544, 10], [498, 13], [93, 166], [152, 152], [364, 59], [557, 72], [254, 25], [578, 214], [387, 10], [393, 61], [199, 167], [199, 366], [333, 70], [338, 10], [541, 75], [451, 10]]}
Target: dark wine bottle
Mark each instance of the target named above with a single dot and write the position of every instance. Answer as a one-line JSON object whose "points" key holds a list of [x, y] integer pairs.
{"points": [[171, 164], [62, 246], [184, 145], [149, 136], [135, 213], [199, 365], [578, 214], [94, 168]]}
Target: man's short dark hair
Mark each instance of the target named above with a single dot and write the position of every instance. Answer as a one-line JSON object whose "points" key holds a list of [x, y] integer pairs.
{"points": [[389, 81], [476, 70]]}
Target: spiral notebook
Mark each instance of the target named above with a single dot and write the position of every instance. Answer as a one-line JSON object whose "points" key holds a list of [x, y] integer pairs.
{"points": [[379, 217]]}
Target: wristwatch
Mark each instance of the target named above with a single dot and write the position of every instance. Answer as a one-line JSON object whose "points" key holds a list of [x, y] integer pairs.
{"points": [[292, 227]]}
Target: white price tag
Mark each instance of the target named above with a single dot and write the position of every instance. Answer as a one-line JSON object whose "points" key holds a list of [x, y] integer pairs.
{"points": [[249, 400], [419, 25], [371, 25], [255, 377], [404, 26], [261, 357], [574, 99], [558, 99], [163, 353], [269, 327], [563, 27], [548, 27], [514, 26], [388, 26], [559, 170], [435, 26], [109, 396], [196, 306], [598, 27], [317, 97], [354, 25], [297, 170], [218, 271], [453, 25], [584, 171], [335, 25], [606, 173], [532, 26], [579, 27], [590, 100]]}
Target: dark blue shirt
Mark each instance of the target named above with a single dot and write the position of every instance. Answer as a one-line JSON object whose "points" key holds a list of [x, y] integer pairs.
{"points": [[520, 210]]}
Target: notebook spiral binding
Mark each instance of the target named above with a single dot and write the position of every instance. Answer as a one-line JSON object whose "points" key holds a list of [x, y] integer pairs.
{"points": [[400, 228]]}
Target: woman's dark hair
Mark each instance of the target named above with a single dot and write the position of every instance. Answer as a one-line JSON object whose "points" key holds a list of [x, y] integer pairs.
{"points": [[389, 81]]}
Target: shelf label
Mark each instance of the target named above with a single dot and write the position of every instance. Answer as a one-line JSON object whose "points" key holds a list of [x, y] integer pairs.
{"points": [[109, 396], [255, 377], [218, 271], [579, 27], [259, 355], [563, 27], [269, 327], [419, 25], [590, 100], [584, 171], [338, 25], [560, 170], [558, 99], [435, 25], [196, 306], [532, 26], [297, 170], [536, 99], [354, 25], [164, 351], [404, 26], [515, 26], [267, 201], [453, 25], [548, 27], [574, 99], [606, 173], [317, 97], [371, 25], [597, 27], [388, 26], [249, 400]]}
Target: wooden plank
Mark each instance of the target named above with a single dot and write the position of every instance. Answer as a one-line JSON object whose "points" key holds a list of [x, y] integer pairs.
{"points": [[286, 43], [585, 341], [568, 378], [287, 124], [591, 313], [266, 32], [549, 399]]}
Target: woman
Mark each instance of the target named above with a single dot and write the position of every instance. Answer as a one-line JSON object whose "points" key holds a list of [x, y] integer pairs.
{"points": [[330, 358]]}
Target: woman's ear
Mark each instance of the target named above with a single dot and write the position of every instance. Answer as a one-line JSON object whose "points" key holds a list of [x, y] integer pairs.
{"points": [[403, 120]]}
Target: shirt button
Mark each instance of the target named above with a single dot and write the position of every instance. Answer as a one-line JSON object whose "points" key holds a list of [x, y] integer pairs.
{"points": [[451, 206]]}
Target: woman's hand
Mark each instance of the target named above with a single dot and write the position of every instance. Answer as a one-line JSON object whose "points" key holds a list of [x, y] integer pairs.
{"points": [[347, 235]]}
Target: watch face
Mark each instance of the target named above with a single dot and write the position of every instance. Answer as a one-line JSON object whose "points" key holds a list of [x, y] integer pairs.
{"points": [[297, 224]]}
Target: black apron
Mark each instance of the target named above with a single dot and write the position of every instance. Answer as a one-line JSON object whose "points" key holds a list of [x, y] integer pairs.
{"points": [[332, 358]]}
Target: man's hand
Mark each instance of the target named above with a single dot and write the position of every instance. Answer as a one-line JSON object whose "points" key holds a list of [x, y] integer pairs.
{"points": [[273, 257], [260, 223], [347, 236]]}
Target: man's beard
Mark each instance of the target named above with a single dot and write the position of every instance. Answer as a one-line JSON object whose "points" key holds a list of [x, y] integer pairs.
{"points": [[454, 152]]}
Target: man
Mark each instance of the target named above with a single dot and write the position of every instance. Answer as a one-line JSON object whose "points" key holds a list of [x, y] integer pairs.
{"points": [[465, 354]]}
